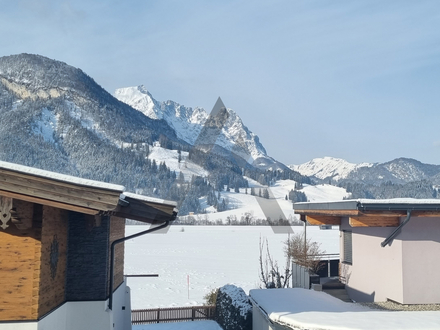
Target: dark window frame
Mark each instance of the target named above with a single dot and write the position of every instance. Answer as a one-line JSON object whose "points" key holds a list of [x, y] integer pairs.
{"points": [[347, 257]]}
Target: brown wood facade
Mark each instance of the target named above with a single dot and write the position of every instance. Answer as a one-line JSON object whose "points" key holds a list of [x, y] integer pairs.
{"points": [[55, 240], [358, 218]]}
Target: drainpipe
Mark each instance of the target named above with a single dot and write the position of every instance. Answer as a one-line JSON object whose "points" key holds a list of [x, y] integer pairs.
{"points": [[396, 231], [112, 256]]}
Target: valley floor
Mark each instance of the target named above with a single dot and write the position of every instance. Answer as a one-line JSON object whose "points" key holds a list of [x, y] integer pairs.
{"points": [[210, 256]]}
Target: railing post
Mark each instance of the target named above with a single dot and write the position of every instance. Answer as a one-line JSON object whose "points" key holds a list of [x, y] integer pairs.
{"points": [[158, 315]]}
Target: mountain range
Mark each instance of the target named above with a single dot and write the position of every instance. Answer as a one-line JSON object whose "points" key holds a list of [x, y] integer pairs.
{"points": [[397, 171], [56, 117], [188, 124]]}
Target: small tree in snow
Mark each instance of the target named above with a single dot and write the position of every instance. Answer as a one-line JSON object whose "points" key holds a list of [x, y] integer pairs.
{"points": [[270, 273], [306, 254]]}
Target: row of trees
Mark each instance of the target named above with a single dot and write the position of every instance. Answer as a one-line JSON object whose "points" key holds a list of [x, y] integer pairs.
{"points": [[417, 189]]}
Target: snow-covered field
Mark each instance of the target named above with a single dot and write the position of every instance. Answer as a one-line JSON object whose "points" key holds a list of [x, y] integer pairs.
{"points": [[210, 256]]}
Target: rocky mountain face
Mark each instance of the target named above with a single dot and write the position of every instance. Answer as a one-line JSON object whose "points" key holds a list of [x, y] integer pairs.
{"points": [[189, 122], [57, 118]]}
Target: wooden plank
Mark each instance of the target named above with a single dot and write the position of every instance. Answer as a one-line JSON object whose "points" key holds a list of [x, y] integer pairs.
{"points": [[139, 210], [60, 183], [141, 205], [50, 203], [382, 213], [59, 188], [374, 221], [50, 195], [19, 255], [323, 220]]}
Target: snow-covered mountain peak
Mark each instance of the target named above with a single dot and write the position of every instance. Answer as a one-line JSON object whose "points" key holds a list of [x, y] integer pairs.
{"points": [[140, 99], [188, 123], [328, 167]]}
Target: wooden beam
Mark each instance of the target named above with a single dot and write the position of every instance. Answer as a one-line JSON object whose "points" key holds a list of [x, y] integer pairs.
{"points": [[323, 220], [142, 211], [57, 197], [21, 182], [51, 181], [333, 213], [383, 213], [374, 221], [42, 201]]}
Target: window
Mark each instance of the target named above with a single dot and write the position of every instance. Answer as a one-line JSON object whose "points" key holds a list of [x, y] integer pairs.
{"points": [[348, 248]]}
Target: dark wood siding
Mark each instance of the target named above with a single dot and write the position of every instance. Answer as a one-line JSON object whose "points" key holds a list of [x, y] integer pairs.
{"points": [[53, 259], [87, 260]]}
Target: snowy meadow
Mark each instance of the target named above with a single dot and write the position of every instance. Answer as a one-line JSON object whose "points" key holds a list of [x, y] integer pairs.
{"points": [[193, 260]]}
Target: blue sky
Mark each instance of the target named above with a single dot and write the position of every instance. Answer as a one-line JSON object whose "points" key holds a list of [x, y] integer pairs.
{"points": [[359, 80]]}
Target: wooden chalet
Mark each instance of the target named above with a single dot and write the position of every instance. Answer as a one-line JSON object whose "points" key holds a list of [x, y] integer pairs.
{"points": [[56, 233]]}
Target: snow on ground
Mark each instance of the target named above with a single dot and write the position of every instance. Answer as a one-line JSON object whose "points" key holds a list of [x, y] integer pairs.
{"points": [[241, 203], [171, 158], [308, 309], [252, 182], [324, 192], [194, 325], [212, 256]]}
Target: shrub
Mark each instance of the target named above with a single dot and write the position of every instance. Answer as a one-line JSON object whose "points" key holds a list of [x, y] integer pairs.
{"points": [[234, 308]]}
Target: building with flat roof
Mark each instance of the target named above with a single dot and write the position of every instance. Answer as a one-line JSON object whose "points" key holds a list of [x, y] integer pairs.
{"points": [[389, 248]]}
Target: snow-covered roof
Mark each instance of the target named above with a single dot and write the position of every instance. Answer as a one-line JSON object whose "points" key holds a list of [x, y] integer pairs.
{"points": [[80, 195], [59, 177], [307, 309], [147, 198], [372, 204]]}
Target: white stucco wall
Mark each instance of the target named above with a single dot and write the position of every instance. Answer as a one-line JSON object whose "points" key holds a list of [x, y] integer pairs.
{"points": [[421, 265], [84, 315], [122, 308], [19, 326], [55, 320], [376, 272], [404, 272], [260, 320]]}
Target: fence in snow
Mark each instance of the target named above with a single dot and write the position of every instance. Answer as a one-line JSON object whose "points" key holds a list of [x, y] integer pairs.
{"points": [[300, 276], [177, 314]]}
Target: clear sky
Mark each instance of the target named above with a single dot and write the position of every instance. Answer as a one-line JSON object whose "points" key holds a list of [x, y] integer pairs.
{"points": [[358, 79]]}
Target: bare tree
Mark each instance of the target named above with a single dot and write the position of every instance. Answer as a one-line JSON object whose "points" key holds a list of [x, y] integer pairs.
{"points": [[303, 252], [270, 273]]}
